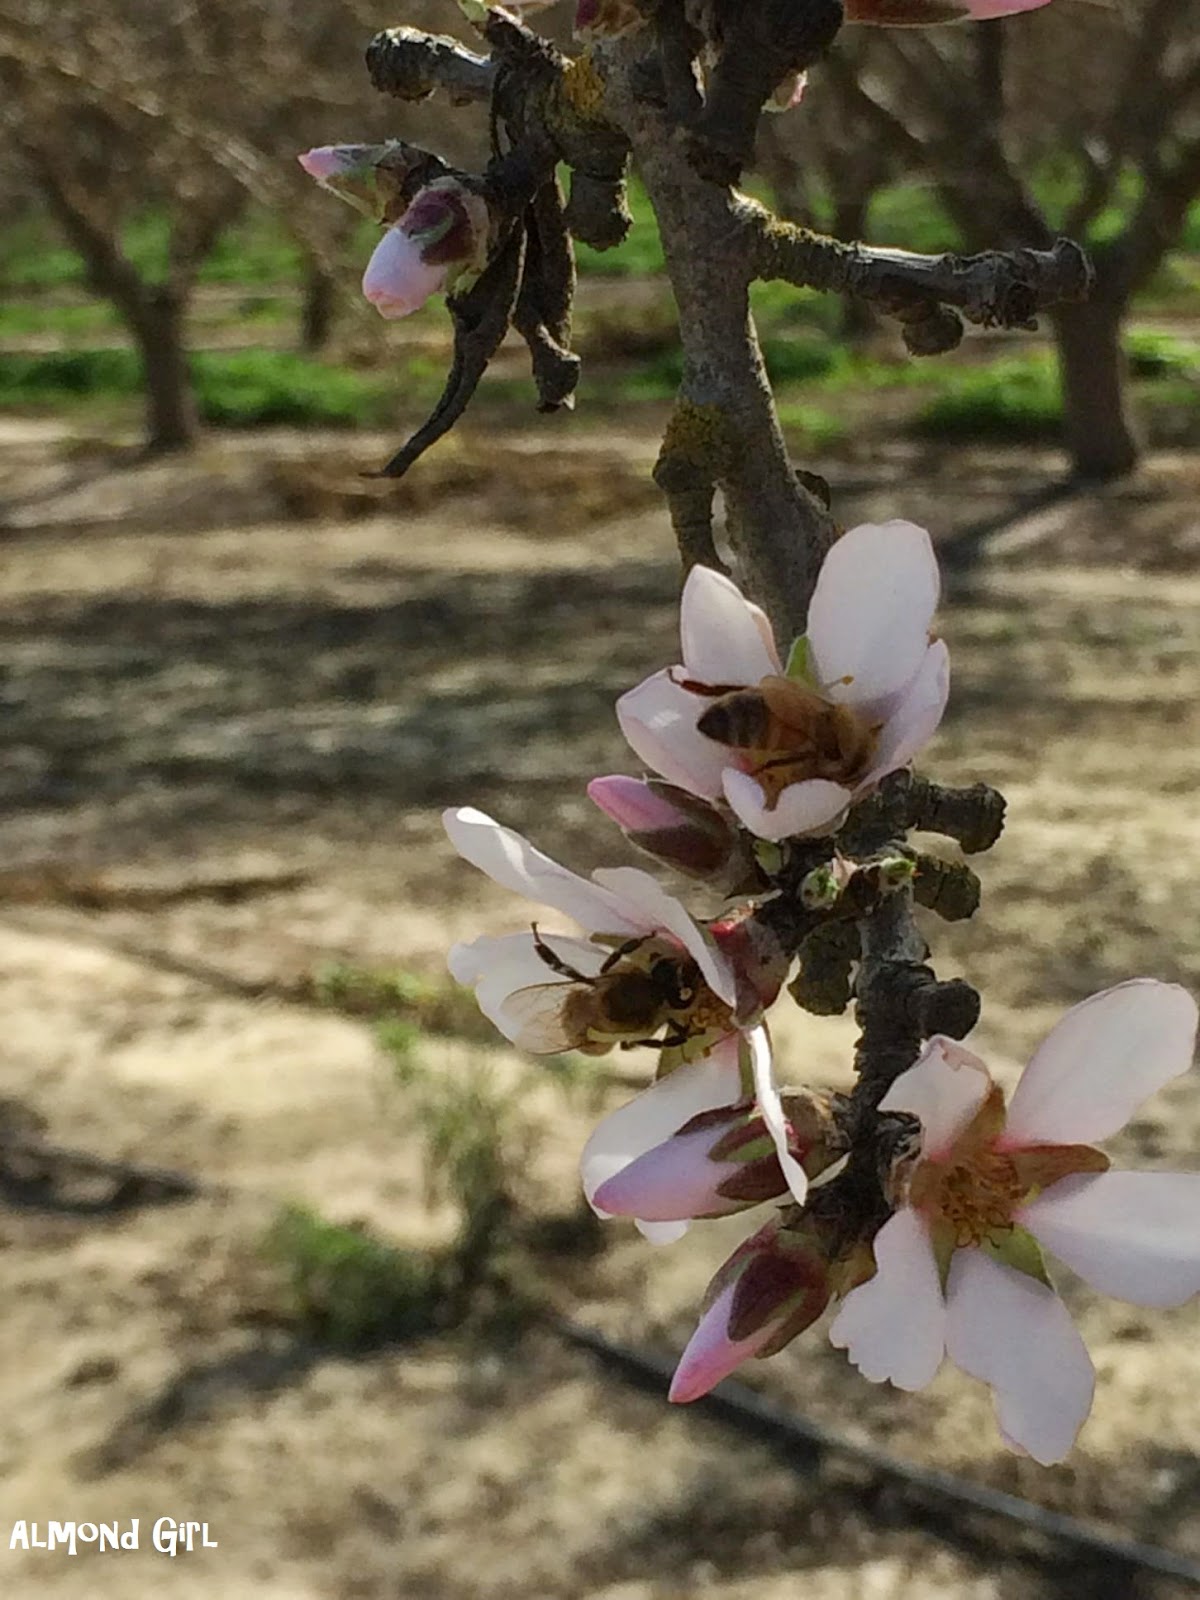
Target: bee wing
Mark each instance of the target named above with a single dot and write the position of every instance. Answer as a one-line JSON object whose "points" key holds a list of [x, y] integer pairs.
{"points": [[533, 1018]]}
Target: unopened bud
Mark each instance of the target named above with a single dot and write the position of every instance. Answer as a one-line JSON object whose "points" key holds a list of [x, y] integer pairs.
{"points": [[442, 235], [719, 1162], [351, 171], [820, 888], [775, 1285], [895, 872], [667, 822]]}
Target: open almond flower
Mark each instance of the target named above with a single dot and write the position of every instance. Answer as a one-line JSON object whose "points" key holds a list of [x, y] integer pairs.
{"points": [[646, 971], [959, 1264], [863, 692]]}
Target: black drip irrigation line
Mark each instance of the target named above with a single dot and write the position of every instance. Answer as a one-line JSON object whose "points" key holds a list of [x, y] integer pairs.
{"points": [[800, 1440]]}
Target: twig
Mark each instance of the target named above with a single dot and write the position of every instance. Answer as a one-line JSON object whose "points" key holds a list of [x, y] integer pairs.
{"points": [[927, 293]]}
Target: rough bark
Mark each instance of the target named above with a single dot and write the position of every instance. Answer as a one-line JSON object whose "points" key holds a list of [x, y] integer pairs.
{"points": [[779, 532], [1098, 432]]}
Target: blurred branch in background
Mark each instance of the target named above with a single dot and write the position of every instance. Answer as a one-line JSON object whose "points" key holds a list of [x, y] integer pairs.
{"points": [[1084, 124]]}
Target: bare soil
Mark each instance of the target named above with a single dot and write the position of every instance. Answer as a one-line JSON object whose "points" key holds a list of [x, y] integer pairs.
{"points": [[234, 699]]}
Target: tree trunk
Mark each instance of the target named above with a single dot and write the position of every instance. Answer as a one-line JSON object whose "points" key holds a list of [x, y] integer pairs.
{"points": [[1098, 432], [317, 308], [172, 420]]}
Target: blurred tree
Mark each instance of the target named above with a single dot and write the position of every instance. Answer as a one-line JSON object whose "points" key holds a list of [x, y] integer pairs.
{"points": [[835, 176], [163, 109], [1085, 120]]}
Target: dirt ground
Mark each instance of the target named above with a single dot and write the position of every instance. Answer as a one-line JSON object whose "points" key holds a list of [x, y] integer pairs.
{"points": [[232, 707]]}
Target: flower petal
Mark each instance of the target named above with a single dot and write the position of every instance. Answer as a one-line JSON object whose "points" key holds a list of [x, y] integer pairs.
{"points": [[1106, 1056], [807, 807], [1133, 1235], [515, 864], [893, 1326], [1014, 1333], [916, 718], [644, 899], [773, 1113], [657, 1113], [711, 1354], [673, 1182], [658, 719], [868, 621], [725, 639], [397, 281], [943, 1090]]}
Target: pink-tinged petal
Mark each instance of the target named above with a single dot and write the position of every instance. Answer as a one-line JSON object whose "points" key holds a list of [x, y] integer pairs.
{"points": [[868, 622], [929, 13], [916, 718], [503, 969], [657, 1113], [711, 1354], [725, 639], [893, 1326], [1014, 1333], [1097, 1065], [515, 864], [643, 899], [773, 1113], [329, 161], [397, 282], [633, 805], [813, 806], [1133, 1235], [658, 719], [671, 1183], [943, 1090]]}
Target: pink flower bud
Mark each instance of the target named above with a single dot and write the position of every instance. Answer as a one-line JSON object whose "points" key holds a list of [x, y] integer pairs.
{"points": [[775, 1285], [334, 160], [721, 1161], [633, 804], [667, 822], [442, 234], [397, 281]]}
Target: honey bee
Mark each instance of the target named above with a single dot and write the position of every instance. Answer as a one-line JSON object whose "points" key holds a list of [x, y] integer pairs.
{"points": [[628, 1002], [785, 727]]}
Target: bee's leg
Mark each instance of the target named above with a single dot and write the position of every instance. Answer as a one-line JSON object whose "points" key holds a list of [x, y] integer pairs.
{"points": [[555, 962], [623, 950]]}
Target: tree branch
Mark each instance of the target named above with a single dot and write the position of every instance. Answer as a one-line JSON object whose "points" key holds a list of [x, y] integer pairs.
{"points": [[411, 65], [993, 289]]}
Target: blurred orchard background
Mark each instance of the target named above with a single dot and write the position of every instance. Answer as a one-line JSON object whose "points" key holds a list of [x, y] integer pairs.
{"points": [[289, 1243]]}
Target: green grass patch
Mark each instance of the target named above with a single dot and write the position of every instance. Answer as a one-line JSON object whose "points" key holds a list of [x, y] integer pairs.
{"points": [[349, 1289], [1161, 355], [234, 389], [406, 1004], [1012, 400], [811, 427]]}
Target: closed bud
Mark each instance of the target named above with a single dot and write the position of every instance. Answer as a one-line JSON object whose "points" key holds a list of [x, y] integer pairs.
{"points": [[668, 823], [442, 235], [719, 1162], [352, 172], [774, 1286]]}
